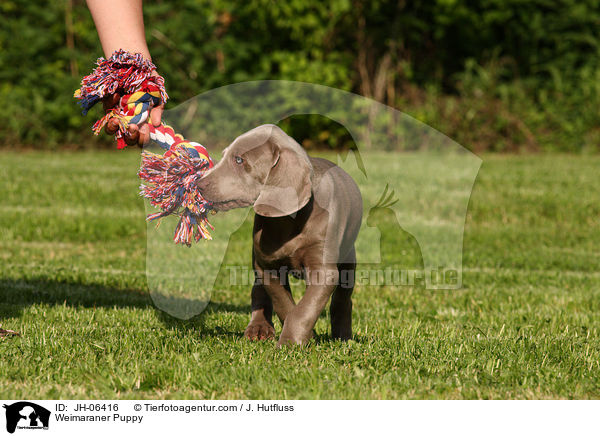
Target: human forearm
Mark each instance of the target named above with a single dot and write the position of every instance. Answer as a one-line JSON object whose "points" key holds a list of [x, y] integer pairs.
{"points": [[120, 25]]}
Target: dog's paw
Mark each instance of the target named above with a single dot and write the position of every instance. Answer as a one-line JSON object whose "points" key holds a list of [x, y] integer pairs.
{"points": [[295, 338], [259, 331]]}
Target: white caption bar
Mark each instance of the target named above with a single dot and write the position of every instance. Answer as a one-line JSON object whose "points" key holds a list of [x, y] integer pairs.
{"points": [[155, 417]]}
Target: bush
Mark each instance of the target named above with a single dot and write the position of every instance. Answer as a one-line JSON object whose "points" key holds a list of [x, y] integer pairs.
{"points": [[498, 75]]}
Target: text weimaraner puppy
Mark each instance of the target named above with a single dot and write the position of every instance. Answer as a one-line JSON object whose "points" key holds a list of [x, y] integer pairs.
{"points": [[308, 213]]}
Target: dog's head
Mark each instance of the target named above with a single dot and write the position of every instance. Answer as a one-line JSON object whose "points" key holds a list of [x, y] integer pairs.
{"points": [[264, 168]]}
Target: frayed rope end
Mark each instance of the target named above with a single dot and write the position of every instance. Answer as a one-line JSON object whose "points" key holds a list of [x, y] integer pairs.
{"points": [[172, 188]]}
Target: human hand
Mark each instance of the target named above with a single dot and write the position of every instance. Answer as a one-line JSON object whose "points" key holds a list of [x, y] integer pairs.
{"points": [[136, 134]]}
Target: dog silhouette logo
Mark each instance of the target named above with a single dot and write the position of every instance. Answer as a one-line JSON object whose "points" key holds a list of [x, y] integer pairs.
{"points": [[26, 415]]}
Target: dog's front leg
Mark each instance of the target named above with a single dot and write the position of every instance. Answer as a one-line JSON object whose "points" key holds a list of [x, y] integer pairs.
{"points": [[299, 323], [261, 324], [277, 287], [270, 291]]}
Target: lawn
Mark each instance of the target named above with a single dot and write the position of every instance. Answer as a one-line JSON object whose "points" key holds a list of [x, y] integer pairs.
{"points": [[73, 282]]}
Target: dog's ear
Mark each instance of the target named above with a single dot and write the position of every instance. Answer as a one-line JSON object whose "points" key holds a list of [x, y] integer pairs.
{"points": [[288, 186]]}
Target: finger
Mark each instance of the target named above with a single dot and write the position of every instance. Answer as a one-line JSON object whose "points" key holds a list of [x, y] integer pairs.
{"points": [[132, 134], [132, 138], [144, 135], [156, 114], [112, 126]]}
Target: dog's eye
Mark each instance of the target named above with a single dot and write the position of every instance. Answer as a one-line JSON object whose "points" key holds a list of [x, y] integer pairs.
{"points": [[239, 160]]}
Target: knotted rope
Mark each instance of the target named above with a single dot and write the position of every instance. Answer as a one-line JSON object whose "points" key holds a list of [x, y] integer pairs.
{"points": [[172, 176]]}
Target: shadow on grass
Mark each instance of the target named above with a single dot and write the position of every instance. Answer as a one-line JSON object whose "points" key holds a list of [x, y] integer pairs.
{"points": [[198, 323], [19, 294]]}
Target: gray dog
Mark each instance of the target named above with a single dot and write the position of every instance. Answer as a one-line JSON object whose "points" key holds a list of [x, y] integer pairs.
{"points": [[308, 213]]}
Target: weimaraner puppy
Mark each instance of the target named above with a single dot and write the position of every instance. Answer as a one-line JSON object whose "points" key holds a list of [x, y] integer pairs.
{"points": [[308, 213]]}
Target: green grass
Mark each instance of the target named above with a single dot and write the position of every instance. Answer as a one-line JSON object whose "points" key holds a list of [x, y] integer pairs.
{"points": [[72, 281]]}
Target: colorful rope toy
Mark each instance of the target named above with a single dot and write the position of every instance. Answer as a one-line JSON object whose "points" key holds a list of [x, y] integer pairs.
{"points": [[171, 177]]}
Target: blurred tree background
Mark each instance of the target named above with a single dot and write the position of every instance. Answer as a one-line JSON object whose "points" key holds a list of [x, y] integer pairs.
{"points": [[494, 75]]}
